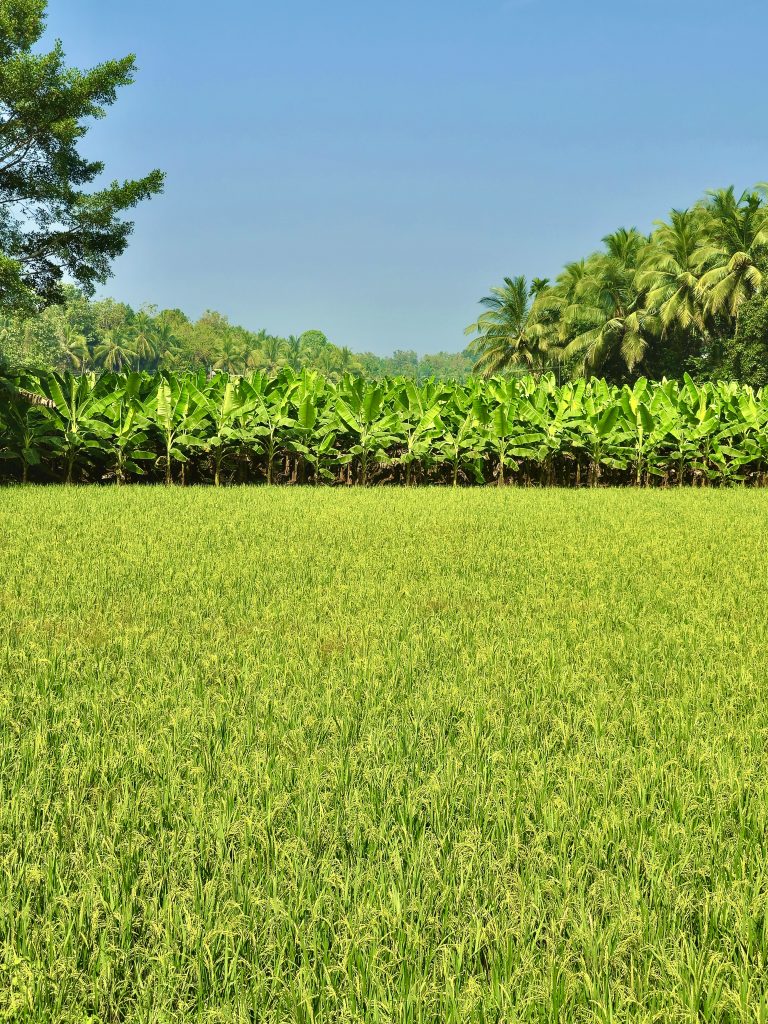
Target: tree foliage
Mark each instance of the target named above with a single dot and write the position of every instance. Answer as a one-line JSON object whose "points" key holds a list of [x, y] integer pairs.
{"points": [[86, 336], [51, 223], [667, 302]]}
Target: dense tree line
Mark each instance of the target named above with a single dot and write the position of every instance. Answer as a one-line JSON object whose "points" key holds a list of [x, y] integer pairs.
{"points": [[690, 296], [83, 336]]}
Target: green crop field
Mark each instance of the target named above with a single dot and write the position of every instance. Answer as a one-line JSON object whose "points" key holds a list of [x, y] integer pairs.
{"points": [[386, 755]]}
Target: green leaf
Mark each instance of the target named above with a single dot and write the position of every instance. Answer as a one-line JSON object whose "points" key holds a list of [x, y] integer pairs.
{"points": [[607, 421], [646, 418]]}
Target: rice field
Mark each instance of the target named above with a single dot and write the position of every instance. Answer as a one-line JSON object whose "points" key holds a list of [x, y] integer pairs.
{"points": [[386, 755]]}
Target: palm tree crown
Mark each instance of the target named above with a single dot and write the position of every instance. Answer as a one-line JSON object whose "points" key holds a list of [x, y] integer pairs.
{"points": [[505, 331], [735, 247]]}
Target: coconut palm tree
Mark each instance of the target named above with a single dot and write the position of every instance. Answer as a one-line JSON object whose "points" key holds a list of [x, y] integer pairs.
{"points": [[570, 280], [345, 359], [144, 339], [272, 354], [670, 274], [74, 348], [231, 355], [606, 318], [166, 344], [115, 350], [328, 363], [293, 352], [734, 253], [551, 302], [505, 337]]}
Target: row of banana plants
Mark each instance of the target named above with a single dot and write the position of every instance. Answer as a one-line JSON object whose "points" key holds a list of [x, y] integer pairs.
{"points": [[304, 428]]}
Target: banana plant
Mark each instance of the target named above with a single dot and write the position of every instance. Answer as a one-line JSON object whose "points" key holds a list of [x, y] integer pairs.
{"points": [[461, 444], [358, 409], [322, 453], [419, 413], [226, 405], [177, 412], [499, 428], [595, 437], [27, 436], [505, 435], [637, 421], [752, 415], [555, 416], [271, 415], [700, 423], [126, 437], [673, 448], [77, 403]]}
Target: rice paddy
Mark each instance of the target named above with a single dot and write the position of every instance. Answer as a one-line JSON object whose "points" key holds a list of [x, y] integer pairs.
{"points": [[386, 755]]}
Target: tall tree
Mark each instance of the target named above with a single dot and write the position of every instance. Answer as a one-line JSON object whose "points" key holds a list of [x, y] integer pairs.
{"points": [[74, 348], [605, 321], [670, 275], [733, 259], [115, 351], [166, 343], [144, 341], [293, 352], [346, 360], [230, 354], [505, 337], [50, 225], [271, 354]]}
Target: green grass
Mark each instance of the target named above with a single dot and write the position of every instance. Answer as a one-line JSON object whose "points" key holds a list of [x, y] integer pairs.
{"points": [[280, 755]]}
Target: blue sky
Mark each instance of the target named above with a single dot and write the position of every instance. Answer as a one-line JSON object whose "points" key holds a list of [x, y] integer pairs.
{"points": [[370, 169]]}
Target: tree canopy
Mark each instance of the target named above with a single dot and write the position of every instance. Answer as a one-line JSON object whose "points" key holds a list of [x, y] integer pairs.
{"points": [[690, 296], [82, 335], [52, 226]]}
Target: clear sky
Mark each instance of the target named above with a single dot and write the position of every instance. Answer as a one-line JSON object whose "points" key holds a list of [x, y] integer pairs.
{"points": [[370, 169]]}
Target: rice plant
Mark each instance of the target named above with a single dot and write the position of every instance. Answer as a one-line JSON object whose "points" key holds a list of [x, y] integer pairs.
{"points": [[383, 755]]}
